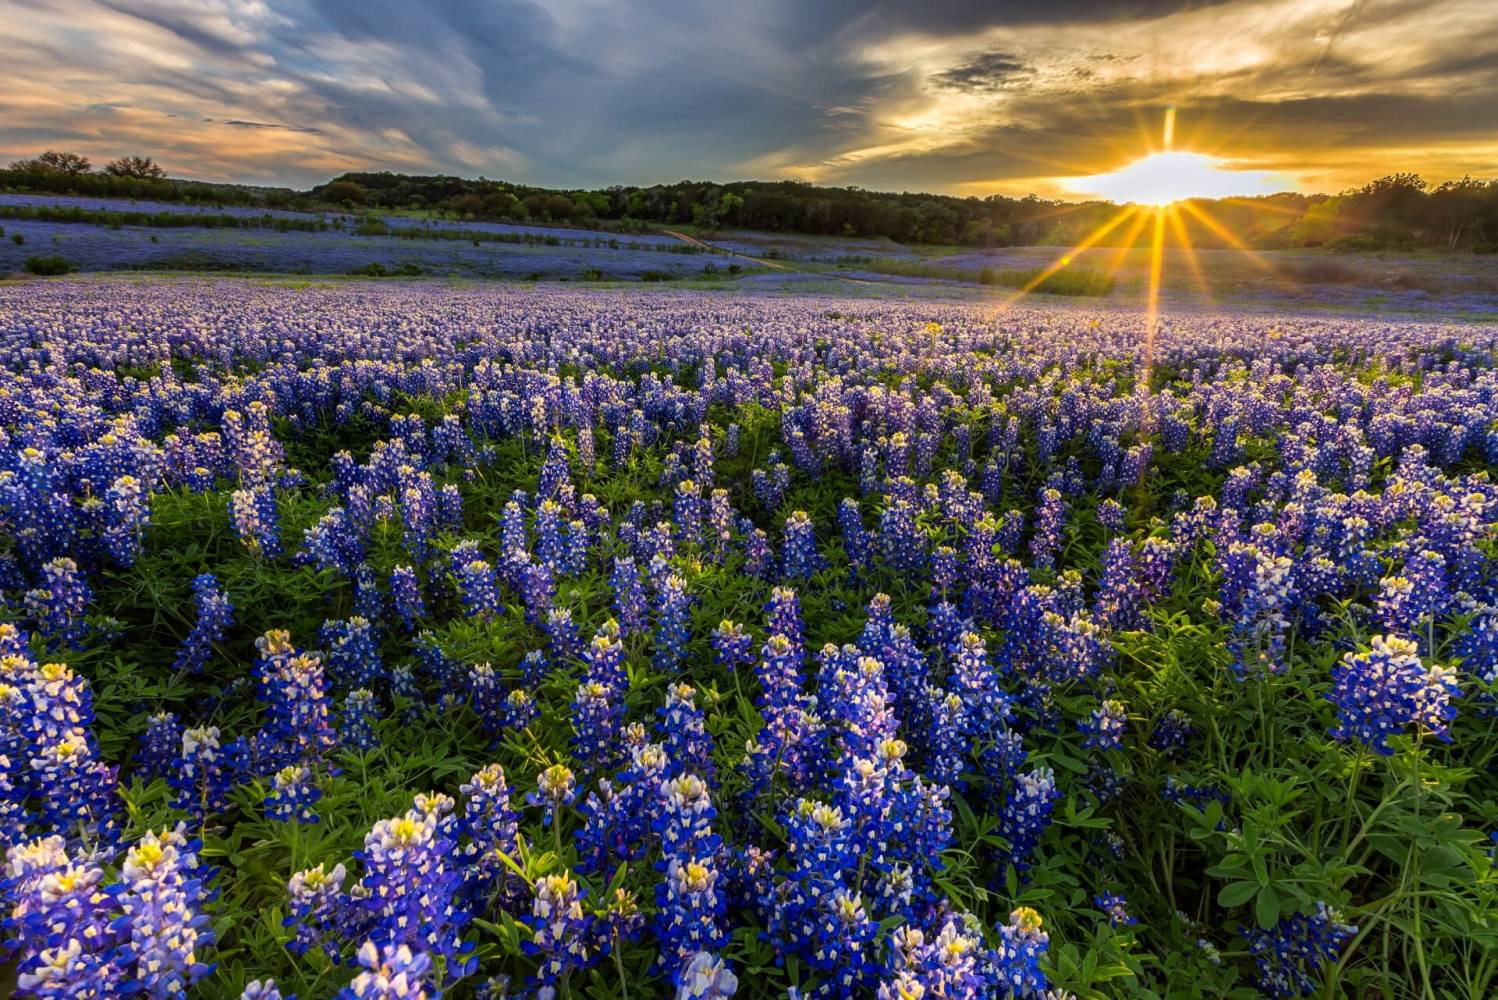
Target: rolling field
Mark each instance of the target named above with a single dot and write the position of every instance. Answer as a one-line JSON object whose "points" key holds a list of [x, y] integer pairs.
{"points": [[395, 638]]}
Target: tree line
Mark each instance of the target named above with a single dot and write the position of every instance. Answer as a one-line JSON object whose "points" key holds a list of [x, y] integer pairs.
{"points": [[1397, 211]]}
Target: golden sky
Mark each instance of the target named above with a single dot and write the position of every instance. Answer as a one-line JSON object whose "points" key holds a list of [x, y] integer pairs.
{"points": [[967, 98]]}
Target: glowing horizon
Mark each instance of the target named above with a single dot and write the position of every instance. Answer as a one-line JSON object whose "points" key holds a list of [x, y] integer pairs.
{"points": [[1176, 175]]}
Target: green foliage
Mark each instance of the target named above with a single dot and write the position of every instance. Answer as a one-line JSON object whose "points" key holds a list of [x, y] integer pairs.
{"points": [[48, 266]]}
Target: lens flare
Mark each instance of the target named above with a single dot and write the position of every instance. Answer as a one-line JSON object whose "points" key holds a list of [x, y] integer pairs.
{"points": [[1163, 178]]}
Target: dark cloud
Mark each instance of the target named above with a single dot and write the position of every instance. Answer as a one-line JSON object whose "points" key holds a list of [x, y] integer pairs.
{"points": [[989, 72], [244, 124], [935, 93]]}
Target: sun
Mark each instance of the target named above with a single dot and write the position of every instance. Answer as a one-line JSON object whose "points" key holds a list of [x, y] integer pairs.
{"points": [[1163, 178], [1157, 195]]}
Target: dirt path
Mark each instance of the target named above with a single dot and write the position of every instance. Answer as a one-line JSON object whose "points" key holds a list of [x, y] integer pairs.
{"points": [[771, 264]]}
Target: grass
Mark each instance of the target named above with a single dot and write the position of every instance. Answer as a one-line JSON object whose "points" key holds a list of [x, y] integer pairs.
{"points": [[1063, 282]]}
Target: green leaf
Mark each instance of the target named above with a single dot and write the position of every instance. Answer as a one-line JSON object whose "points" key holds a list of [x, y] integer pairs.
{"points": [[1237, 893], [1267, 907]]}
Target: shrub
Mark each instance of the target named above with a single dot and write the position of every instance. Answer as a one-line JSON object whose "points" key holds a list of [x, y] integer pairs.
{"points": [[47, 266]]}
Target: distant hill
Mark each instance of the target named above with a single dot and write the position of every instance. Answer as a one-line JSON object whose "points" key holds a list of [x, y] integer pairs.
{"points": [[1397, 211]]}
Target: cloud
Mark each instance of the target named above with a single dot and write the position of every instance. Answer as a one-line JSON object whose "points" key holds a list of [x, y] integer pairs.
{"points": [[988, 72], [943, 94], [244, 124]]}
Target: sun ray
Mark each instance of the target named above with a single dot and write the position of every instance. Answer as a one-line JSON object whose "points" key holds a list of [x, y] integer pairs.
{"points": [[1066, 258], [1189, 252], [1262, 204], [1201, 215], [1126, 246]]}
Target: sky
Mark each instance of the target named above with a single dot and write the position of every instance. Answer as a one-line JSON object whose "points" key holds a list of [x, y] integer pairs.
{"points": [[971, 98]]}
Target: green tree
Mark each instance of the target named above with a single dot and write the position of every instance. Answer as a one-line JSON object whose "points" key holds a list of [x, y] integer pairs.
{"points": [[142, 167], [55, 161], [344, 192]]}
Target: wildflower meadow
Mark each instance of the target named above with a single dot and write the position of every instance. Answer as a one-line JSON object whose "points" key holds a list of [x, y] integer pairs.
{"points": [[404, 640]]}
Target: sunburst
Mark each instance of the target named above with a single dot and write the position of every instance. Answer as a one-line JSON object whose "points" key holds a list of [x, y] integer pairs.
{"points": [[1159, 193]]}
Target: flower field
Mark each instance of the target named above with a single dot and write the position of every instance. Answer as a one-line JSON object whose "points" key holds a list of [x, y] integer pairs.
{"points": [[396, 640], [102, 234]]}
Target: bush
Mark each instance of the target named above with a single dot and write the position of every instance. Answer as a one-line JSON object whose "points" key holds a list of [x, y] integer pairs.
{"points": [[377, 270], [47, 266], [18, 240], [653, 276]]}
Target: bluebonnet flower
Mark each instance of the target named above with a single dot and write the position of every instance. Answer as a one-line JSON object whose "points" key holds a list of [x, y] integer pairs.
{"points": [[944, 570], [292, 684], [1172, 733], [206, 773], [559, 929], [1110, 514], [411, 881], [1115, 907], [520, 709], [254, 452], [953, 963], [720, 524], [126, 513], [758, 560], [1022, 944], [604, 659], [160, 744], [686, 511], [486, 696], [335, 542], [732, 645], [620, 817], [263, 990], [1050, 518], [477, 586], [353, 654], [369, 602], [555, 787], [630, 607], [406, 592], [1386, 688], [563, 641], [856, 542], [1290, 956], [672, 626], [393, 972], [63, 924], [359, 715], [294, 796], [319, 909], [58, 606], [1119, 592], [549, 533], [683, 732], [492, 828], [705, 977], [1027, 812], [597, 712], [686, 816], [1104, 729], [1411, 602], [901, 541], [255, 519], [214, 616], [690, 906], [162, 899], [801, 558], [783, 616]]}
